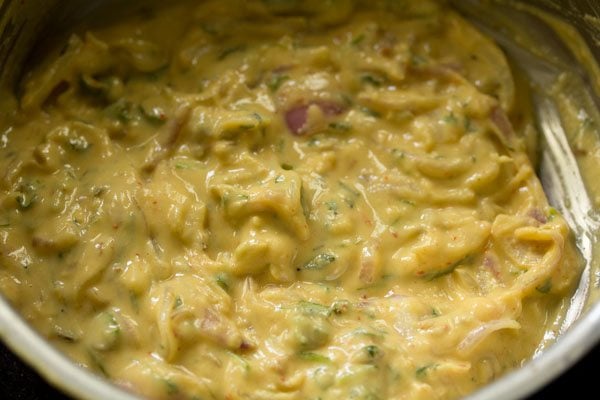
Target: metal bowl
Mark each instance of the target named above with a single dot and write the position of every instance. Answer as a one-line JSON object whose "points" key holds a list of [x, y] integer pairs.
{"points": [[546, 39]]}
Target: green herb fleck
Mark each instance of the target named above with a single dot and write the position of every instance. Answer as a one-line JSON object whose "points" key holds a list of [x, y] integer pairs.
{"points": [[178, 303], [304, 203], [313, 357], [469, 125], [240, 359], [545, 287], [224, 281], [586, 123], [370, 112], [450, 268], [97, 362], [171, 387], [112, 326], [340, 126], [26, 195], [287, 167], [417, 60], [349, 189], [98, 191], [373, 80], [332, 206], [346, 99], [399, 154], [372, 351], [340, 307], [276, 81], [24, 202], [368, 333], [351, 194], [450, 118], [230, 50], [181, 165], [257, 117], [65, 335], [424, 370], [188, 164], [320, 261], [358, 39], [135, 304], [121, 110], [552, 213], [311, 308]]}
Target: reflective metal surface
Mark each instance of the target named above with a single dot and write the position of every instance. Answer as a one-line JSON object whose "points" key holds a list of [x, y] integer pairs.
{"points": [[511, 25], [584, 14], [541, 52]]}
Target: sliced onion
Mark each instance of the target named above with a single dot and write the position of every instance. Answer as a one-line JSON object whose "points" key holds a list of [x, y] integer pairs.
{"points": [[500, 119], [297, 117], [477, 335]]}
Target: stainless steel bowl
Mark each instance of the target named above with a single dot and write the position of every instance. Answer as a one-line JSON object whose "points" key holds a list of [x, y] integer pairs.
{"points": [[544, 38]]}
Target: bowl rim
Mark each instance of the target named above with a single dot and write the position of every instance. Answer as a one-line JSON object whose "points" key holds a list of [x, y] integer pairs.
{"points": [[569, 348], [61, 372], [55, 367], [58, 370]]}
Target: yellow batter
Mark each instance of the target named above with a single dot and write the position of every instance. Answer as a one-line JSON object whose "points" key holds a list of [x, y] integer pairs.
{"points": [[282, 200]]}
